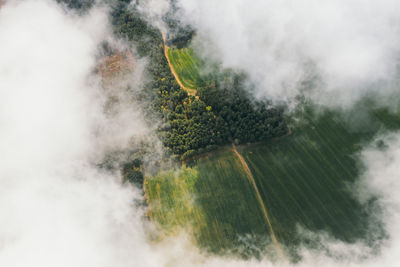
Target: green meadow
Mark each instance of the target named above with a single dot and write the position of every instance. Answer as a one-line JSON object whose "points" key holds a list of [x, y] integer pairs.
{"points": [[305, 180], [187, 66], [213, 200]]}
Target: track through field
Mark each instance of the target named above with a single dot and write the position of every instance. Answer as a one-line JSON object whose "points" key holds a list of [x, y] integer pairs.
{"points": [[166, 48], [261, 202]]}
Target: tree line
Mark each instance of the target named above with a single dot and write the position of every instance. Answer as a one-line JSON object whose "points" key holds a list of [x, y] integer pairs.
{"points": [[223, 111]]}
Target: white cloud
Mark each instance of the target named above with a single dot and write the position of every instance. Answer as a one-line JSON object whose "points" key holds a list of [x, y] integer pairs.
{"points": [[352, 45], [154, 11], [56, 208]]}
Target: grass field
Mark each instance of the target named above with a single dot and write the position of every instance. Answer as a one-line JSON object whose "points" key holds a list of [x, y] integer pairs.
{"points": [[214, 201], [171, 195], [303, 179], [187, 66]]}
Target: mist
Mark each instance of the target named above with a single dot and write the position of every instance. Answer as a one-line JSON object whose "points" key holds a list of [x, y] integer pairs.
{"points": [[346, 49], [58, 208], [335, 53]]}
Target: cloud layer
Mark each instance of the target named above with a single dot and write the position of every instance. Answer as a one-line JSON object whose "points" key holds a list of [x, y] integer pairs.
{"points": [[57, 208], [347, 47]]}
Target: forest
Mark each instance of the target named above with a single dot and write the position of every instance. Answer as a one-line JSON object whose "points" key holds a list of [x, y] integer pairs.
{"points": [[221, 113]]}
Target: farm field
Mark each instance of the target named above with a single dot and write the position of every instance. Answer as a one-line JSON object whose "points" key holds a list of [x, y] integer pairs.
{"points": [[187, 66], [304, 180], [214, 200]]}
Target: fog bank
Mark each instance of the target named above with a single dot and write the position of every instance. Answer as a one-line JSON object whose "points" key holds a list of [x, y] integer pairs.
{"points": [[346, 48], [57, 208]]}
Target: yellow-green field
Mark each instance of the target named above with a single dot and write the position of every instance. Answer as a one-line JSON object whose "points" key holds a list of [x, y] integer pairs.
{"points": [[304, 179], [187, 66], [196, 199]]}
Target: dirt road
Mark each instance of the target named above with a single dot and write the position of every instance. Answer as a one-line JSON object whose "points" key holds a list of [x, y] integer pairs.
{"points": [[188, 90], [262, 205]]}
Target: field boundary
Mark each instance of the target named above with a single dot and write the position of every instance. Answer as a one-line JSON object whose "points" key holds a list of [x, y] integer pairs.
{"points": [[261, 202], [228, 147], [191, 92]]}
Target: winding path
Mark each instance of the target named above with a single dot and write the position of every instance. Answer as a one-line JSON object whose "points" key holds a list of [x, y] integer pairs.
{"points": [[166, 48], [242, 160], [259, 198]]}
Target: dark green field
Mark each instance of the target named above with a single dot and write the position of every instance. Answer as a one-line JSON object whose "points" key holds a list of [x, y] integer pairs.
{"points": [[302, 180], [305, 180]]}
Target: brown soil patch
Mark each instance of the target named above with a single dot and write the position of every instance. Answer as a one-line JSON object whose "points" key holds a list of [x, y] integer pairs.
{"points": [[115, 64]]}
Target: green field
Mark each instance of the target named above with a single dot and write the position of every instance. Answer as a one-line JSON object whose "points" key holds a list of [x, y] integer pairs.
{"points": [[187, 66], [304, 179], [197, 199]]}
